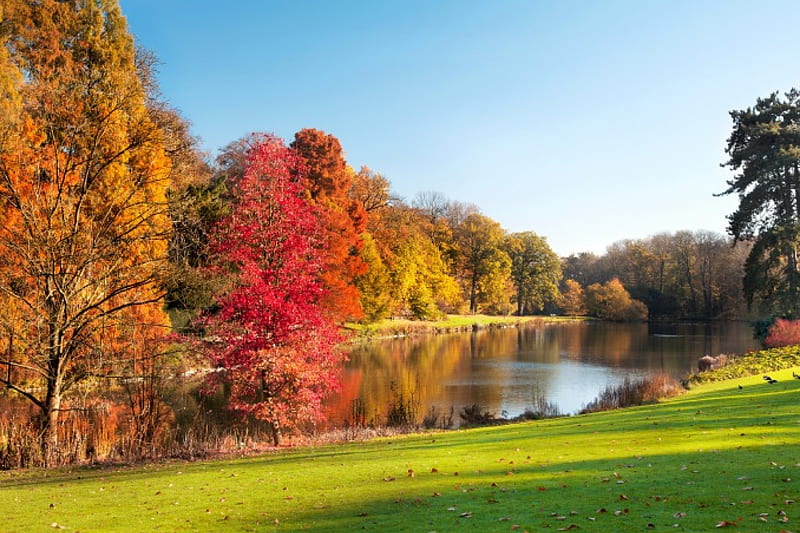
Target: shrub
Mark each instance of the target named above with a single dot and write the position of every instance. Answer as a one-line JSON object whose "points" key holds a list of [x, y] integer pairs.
{"points": [[402, 411], [437, 419], [541, 409], [707, 362], [474, 415], [634, 392], [783, 332], [611, 301]]}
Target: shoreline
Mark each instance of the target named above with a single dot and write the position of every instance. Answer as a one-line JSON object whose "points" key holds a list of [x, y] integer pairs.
{"points": [[402, 328]]}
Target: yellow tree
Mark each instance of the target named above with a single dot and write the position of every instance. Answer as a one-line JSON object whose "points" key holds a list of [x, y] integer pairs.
{"points": [[83, 219], [573, 299], [484, 267]]}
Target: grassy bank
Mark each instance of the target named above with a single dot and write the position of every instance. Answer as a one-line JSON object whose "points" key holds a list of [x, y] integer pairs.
{"points": [[717, 455], [452, 324]]}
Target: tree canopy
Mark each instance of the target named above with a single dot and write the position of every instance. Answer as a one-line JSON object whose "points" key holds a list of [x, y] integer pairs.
{"points": [[269, 333], [764, 154], [84, 173]]}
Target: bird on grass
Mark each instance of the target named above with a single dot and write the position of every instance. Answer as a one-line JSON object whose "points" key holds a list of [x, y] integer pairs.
{"points": [[766, 378], [740, 387], [795, 376]]}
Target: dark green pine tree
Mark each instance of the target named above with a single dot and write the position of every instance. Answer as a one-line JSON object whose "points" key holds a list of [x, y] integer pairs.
{"points": [[764, 154]]}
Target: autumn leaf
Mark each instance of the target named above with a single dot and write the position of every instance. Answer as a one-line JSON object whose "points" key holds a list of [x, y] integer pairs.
{"points": [[726, 523]]}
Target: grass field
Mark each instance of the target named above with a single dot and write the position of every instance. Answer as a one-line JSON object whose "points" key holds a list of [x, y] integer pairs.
{"points": [[716, 456]]}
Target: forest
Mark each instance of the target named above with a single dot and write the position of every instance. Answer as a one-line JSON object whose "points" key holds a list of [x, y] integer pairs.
{"points": [[129, 259]]}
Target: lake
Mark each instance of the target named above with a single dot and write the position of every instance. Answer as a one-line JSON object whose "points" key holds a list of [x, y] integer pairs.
{"points": [[505, 370]]}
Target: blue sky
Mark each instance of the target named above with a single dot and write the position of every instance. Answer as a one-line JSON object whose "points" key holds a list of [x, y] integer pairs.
{"points": [[585, 121]]}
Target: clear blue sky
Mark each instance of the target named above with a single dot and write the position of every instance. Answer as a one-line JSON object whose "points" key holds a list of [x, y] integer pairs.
{"points": [[585, 121]]}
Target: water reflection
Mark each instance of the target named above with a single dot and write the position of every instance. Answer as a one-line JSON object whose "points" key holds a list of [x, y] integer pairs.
{"points": [[504, 370]]}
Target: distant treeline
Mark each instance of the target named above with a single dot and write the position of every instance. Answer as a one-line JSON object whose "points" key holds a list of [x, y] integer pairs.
{"points": [[685, 275]]}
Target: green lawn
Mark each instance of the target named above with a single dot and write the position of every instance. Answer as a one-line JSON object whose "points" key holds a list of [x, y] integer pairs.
{"points": [[715, 455]]}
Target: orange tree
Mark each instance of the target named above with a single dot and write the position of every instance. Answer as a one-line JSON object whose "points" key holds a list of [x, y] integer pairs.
{"points": [[83, 181], [328, 183]]}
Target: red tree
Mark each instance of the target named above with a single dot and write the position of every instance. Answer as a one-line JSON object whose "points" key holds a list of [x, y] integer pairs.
{"points": [[269, 334], [343, 220]]}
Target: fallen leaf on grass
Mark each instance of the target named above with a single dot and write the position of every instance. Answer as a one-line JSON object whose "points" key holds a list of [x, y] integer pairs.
{"points": [[388, 479], [726, 523], [465, 515], [622, 497], [569, 527]]}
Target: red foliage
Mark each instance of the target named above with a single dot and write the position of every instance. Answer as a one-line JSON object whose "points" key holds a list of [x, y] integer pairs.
{"points": [[270, 335], [783, 333]]}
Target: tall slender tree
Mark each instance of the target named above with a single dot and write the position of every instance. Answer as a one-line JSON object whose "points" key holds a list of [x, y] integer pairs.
{"points": [[328, 182]]}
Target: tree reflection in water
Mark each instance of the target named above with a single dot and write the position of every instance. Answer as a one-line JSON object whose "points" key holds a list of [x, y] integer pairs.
{"points": [[505, 370]]}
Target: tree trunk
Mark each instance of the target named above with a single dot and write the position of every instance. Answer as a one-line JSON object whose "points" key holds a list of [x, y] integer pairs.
{"points": [[692, 291], [49, 429], [473, 295], [275, 428]]}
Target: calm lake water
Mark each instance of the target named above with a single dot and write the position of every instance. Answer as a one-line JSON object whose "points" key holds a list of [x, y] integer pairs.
{"points": [[504, 370]]}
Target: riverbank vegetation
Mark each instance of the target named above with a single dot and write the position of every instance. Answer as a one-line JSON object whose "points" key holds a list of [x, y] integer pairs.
{"points": [[449, 324], [718, 456]]}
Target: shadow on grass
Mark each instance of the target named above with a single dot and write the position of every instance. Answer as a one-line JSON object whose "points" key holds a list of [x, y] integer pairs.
{"points": [[695, 461]]}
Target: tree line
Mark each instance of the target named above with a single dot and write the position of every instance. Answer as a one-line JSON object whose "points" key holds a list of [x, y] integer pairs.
{"points": [[682, 275], [127, 258]]}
